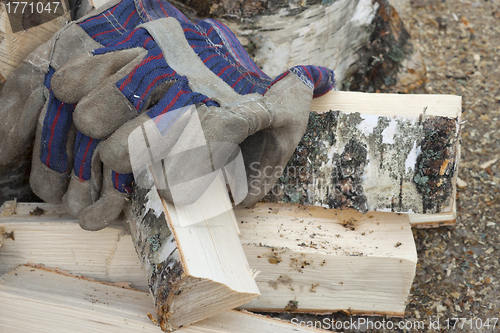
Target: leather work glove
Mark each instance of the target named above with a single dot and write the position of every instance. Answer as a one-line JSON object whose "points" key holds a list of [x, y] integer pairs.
{"points": [[190, 65], [138, 75]]}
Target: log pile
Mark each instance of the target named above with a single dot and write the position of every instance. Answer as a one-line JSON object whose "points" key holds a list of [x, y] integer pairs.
{"points": [[309, 259]]}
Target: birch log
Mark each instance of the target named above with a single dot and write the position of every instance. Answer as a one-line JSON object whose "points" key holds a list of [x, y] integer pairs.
{"points": [[396, 153], [195, 270], [37, 299], [311, 259]]}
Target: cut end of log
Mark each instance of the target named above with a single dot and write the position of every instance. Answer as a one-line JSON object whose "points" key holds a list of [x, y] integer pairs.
{"points": [[196, 299]]}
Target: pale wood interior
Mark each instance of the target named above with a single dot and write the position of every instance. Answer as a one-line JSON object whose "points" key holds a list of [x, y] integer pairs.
{"points": [[40, 300], [14, 47], [407, 105], [367, 259]]}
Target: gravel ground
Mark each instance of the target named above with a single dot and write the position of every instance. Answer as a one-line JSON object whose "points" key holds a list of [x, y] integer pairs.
{"points": [[458, 271]]}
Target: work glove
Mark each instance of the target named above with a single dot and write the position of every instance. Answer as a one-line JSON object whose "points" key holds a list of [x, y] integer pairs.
{"points": [[138, 72], [190, 65]]}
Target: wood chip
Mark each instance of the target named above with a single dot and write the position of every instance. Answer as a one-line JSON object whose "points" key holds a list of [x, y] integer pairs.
{"points": [[8, 208], [461, 183], [489, 163]]}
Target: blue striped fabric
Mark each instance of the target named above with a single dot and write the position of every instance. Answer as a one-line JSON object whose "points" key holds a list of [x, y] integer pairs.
{"points": [[113, 23], [56, 125], [145, 77], [116, 29], [153, 9], [84, 149], [122, 182], [218, 31]]}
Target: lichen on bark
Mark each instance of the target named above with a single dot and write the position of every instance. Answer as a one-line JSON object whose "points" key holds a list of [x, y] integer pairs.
{"points": [[155, 245], [436, 164], [369, 162]]}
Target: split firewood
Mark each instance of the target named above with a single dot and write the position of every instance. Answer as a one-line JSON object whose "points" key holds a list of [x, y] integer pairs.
{"points": [[44, 233], [384, 152], [194, 270], [311, 259], [59, 302]]}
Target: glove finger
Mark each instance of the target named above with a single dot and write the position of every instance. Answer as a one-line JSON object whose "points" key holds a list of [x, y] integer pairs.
{"points": [[86, 179], [78, 196], [105, 108], [21, 100], [78, 78], [161, 135], [135, 87], [47, 183], [24, 94], [106, 209], [321, 79]]}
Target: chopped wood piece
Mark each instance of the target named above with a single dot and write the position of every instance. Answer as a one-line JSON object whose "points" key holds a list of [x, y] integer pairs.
{"points": [[56, 240], [461, 183], [378, 152], [8, 208], [67, 304], [194, 270], [328, 260], [489, 163], [356, 249]]}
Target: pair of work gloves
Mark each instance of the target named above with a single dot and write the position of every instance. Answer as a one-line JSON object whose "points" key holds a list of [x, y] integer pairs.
{"points": [[89, 94]]}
